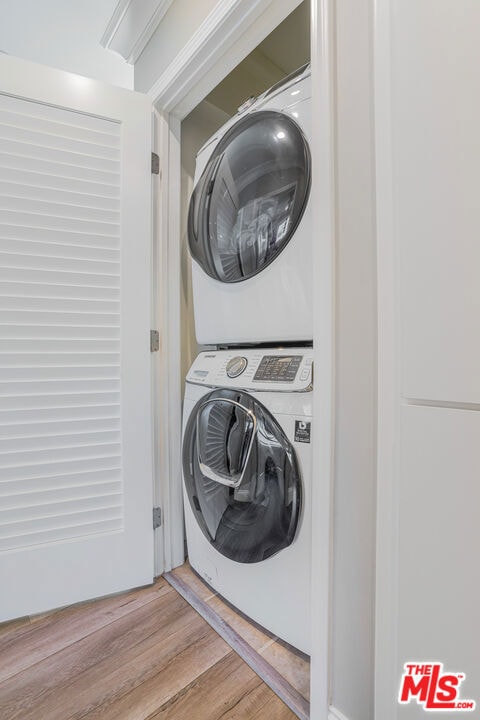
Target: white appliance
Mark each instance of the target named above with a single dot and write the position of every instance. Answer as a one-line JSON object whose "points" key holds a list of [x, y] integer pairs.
{"points": [[249, 224], [247, 482]]}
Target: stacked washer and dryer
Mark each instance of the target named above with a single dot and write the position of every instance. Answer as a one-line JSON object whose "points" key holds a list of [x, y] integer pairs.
{"points": [[248, 403]]}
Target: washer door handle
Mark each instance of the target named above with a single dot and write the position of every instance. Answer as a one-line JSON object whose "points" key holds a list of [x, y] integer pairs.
{"points": [[236, 480]]}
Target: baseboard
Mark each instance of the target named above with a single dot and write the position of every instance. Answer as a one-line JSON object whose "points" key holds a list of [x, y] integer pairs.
{"points": [[334, 714]]}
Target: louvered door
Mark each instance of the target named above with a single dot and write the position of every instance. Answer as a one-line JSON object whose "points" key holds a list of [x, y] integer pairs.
{"points": [[75, 412]]}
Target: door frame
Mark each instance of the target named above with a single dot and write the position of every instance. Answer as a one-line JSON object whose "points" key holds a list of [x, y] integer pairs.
{"points": [[389, 378], [231, 31]]}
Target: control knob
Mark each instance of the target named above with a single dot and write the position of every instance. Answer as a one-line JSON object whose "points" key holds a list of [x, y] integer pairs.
{"points": [[236, 366]]}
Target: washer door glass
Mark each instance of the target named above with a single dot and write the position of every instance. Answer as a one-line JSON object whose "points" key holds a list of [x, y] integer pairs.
{"points": [[241, 476], [250, 198]]}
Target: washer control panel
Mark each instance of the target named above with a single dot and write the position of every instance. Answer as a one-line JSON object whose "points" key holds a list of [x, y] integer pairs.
{"points": [[282, 369], [278, 368]]}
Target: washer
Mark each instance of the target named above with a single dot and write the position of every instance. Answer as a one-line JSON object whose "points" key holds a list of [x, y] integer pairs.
{"points": [[247, 483], [249, 223]]}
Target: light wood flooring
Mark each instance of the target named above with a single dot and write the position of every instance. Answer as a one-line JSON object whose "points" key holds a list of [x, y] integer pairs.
{"points": [[285, 669], [142, 655]]}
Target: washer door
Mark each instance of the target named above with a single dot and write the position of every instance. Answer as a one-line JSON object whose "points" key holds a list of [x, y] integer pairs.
{"points": [[241, 476], [250, 198]]}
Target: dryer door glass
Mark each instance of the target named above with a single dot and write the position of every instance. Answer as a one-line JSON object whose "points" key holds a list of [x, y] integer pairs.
{"points": [[250, 198], [241, 476]]}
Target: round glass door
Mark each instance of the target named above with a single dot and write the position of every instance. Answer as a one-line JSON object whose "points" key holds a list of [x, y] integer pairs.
{"points": [[241, 476], [250, 198]]}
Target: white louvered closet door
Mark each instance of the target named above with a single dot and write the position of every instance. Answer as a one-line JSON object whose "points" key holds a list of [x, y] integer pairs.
{"points": [[75, 297]]}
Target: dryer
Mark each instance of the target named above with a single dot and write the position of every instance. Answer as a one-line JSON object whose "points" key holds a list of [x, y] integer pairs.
{"points": [[249, 223], [247, 483]]}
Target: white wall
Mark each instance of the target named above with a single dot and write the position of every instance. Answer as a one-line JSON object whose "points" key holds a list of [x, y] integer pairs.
{"points": [[355, 430], [428, 154], [65, 35], [436, 121]]}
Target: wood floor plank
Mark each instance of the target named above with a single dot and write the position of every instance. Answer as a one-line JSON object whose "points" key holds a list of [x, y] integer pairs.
{"points": [[143, 701], [36, 642], [252, 634], [213, 693], [144, 655], [291, 664], [274, 709], [80, 666], [229, 690], [117, 694], [250, 704], [270, 675], [96, 605], [12, 626]]}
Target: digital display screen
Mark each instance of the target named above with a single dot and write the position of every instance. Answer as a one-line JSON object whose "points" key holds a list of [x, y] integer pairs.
{"points": [[278, 368]]}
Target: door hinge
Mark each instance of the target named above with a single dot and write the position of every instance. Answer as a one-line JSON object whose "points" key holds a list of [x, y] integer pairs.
{"points": [[154, 341], [157, 517], [155, 164]]}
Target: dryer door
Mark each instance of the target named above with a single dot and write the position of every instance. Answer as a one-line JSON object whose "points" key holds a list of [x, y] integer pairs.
{"points": [[241, 476], [250, 198]]}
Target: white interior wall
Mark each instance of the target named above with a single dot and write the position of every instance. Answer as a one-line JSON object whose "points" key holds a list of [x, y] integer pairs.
{"points": [[64, 35], [254, 74], [284, 50], [288, 46], [428, 156]]}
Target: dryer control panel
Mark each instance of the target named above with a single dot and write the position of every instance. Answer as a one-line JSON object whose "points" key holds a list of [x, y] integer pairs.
{"points": [[282, 369]]}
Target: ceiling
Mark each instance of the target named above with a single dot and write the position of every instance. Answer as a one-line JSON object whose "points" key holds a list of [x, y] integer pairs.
{"points": [[63, 34]]}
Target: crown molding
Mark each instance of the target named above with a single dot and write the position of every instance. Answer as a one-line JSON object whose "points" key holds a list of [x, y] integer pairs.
{"points": [[131, 26], [211, 45]]}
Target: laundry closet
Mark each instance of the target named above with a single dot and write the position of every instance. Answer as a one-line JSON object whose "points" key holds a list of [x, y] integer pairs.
{"points": [[247, 298], [281, 51]]}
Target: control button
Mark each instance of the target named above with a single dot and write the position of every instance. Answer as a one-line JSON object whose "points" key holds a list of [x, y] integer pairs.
{"points": [[304, 374], [236, 366], [278, 368]]}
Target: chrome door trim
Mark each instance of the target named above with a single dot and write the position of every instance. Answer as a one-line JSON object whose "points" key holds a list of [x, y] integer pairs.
{"points": [[207, 471]]}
